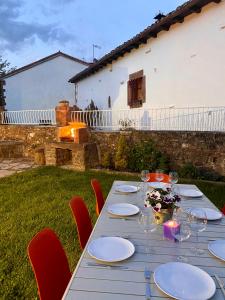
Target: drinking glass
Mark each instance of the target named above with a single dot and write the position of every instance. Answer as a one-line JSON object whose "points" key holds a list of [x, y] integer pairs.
{"points": [[179, 214], [173, 178], [198, 223], [159, 175], [145, 176], [147, 222], [179, 236]]}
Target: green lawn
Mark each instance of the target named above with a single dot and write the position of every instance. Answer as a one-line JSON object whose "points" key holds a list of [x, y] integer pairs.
{"points": [[39, 198]]}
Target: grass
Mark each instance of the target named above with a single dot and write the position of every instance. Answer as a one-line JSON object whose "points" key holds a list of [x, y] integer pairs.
{"points": [[39, 198]]}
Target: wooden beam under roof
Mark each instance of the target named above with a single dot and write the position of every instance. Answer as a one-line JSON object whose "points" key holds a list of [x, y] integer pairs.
{"points": [[196, 9], [165, 27]]}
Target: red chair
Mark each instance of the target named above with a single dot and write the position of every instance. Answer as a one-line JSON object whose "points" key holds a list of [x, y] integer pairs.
{"points": [[49, 264], [98, 195], [166, 178], [82, 219], [223, 210]]}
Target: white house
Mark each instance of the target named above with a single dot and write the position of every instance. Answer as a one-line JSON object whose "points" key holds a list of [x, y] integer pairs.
{"points": [[178, 61], [41, 84]]}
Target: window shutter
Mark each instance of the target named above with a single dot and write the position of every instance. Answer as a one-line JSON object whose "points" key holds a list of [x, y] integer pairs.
{"points": [[129, 93], [143, 90]]}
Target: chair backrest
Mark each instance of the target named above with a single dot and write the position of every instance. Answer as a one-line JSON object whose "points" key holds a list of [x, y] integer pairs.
{"points": [[166, 178], [98, 195], [50, 265], [82, 219], [223, 210]]}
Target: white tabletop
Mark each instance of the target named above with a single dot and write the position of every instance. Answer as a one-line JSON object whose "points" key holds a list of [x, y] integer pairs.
{"points": [[111, 283]]}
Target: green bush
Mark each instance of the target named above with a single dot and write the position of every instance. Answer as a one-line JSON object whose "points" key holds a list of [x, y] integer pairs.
{"points": [[121, 156], [188, 170], [192, 172], [107, 161], [144, 155]]}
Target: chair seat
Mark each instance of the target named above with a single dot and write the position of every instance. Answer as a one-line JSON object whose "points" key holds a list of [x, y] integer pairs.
{"points": [[153, 177], [82, 219], [49, 264]]}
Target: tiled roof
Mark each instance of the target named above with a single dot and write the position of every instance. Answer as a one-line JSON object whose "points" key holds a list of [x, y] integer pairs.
{"points": [[176, 16], [47, 58]]}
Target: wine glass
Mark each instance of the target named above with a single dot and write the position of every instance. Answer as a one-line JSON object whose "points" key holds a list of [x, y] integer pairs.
{"points": [[147, 222], [180, 235], [173, 178], [159, 175], [198, 223], [145, 177]]}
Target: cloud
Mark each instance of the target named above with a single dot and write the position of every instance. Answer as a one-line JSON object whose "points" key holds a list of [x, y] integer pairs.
{"points": [[16, 33]]}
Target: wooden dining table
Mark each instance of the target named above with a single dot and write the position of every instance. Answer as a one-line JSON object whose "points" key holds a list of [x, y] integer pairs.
{"points": [[125, 280]]}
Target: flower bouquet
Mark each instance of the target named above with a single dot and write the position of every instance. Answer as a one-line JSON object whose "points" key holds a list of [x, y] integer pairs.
{"points": [[163, 203]]}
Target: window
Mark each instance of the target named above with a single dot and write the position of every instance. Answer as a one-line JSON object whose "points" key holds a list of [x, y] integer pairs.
{"points": [[136, 89]]}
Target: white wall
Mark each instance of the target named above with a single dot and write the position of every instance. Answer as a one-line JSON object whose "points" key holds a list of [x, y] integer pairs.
{"points": [[184, 66], [42, 86]]}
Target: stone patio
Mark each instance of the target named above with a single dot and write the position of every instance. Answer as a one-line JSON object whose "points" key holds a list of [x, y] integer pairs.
{"points": [[11, 166]]}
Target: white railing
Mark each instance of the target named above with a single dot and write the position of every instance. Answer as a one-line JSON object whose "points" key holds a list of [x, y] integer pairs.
{"points": [[187, 119], [28, 117]]}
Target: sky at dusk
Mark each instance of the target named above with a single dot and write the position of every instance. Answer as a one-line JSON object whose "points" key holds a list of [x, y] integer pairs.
{"points": [[33, 29]]}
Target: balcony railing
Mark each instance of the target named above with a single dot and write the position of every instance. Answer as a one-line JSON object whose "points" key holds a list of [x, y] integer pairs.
{"points": [[182, 119], [28, 117], [185, 119]]}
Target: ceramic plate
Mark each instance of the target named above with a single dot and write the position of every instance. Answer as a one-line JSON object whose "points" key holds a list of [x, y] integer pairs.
{"points": [[157, 185], [190, 193], [123, 209], [184, 281], [111, 249], [123, 188], [217, 248], [211, 214]]}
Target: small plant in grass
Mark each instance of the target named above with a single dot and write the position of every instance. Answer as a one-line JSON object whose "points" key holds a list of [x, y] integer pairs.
{"points": [[127, 124]]}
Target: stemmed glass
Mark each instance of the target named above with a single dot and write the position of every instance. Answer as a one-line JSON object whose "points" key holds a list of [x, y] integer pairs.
{"points": [[145, 176], [198, 223], [184, 232], [173, 178], [159, 175], [147, 222]]}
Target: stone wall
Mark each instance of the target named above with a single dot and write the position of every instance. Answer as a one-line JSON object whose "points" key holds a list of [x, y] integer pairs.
{"points": [[203, 149], [11, 149], [31, 136]]}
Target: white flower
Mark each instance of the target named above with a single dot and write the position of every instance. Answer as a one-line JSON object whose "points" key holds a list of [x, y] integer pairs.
{"points": [[147, 204], [158, 205]]}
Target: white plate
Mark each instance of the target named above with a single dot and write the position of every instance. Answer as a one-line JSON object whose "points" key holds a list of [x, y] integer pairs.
{"points": [[211, 214], [157, 185], [111, 249], [184, 281], [217, 248], [123, 188], [123, 209], [190, 193]]}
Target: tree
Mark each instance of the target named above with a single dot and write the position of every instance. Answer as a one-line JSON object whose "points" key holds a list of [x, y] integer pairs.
{"points": [[2, 97], [4, 67]]}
